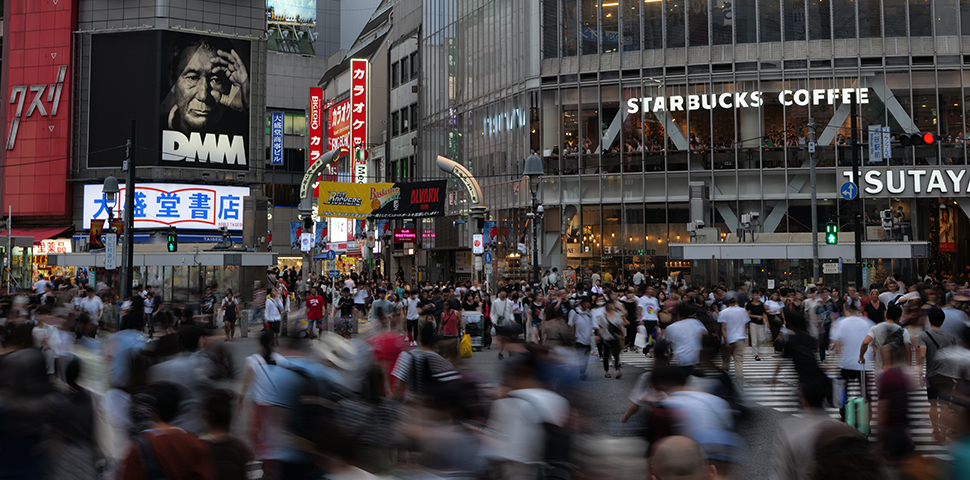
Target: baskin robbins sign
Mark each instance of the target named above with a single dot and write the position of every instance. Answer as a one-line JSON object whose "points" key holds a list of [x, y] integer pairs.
{"points": [[754, 99], [382, 200]]}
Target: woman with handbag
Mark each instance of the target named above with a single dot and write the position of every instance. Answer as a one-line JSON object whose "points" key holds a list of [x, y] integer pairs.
{"points": [[450, 330]]}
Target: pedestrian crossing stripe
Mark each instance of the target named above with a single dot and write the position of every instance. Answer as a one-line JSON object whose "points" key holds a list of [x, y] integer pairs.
{"points": [[782, 396]]}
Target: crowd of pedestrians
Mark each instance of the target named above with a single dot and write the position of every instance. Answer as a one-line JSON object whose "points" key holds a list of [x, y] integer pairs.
{"points": [[359, 378]]}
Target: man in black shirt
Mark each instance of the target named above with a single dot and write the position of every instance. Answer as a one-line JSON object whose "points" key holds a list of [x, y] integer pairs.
{"points": [[425, 306], [208, 308], [345, 305]]}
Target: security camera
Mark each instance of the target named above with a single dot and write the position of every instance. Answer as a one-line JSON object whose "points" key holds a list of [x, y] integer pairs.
{"points": [[755, 215]]}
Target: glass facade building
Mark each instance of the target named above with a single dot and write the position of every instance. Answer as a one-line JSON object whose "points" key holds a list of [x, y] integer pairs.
{"points": [[629, 102]]}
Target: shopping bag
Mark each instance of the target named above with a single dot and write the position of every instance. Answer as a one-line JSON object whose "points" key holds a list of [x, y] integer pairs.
{"points": [[641, 339], [465, 349]]}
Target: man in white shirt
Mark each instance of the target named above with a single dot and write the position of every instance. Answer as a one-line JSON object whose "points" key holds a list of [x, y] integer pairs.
{"points": [[734, 322], [893, 291], [40, 286], [686, 335], [94, 307], [882, 334], [848, 333], [597, 287], [638, 278], [582, 322], [504, 319], [650, 307], [411, 314]]}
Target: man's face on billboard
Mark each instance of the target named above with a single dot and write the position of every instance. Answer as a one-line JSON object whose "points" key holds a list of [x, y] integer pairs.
{"points": [[198, 88]]}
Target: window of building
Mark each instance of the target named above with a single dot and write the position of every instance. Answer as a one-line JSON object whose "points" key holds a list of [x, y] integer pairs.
{"points": [[630, 11], [675, 24], [819, 19], [770, 25], [395, 72], [870, 25], [294, 124], [722, 18], [653, 28], [894, 14], [697, 22], [845, 24], [946, 17], [414, 65], [414, 117], [570, 31], [964, 17], [405, 121], [550, 28], [590, 32], [794, 20], [610, 19], [395, 124], [920, 18], [405, 70]]}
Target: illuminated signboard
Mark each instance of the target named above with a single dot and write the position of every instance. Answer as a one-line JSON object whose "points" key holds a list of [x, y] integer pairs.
{"points": [[405, 235], [293, 12], [338, 127], [316, 124], [359, 83], [203, 207]]}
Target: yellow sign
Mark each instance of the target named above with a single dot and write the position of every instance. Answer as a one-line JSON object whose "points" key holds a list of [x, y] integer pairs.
{"points": [[355, 200]]}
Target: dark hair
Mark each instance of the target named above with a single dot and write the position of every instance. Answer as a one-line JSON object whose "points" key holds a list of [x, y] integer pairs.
{"points": [[795, 321], [426, 333], [189, 336], [266, 339], [936, 316], [167, 398], [893, 312], [814, 389], [668, 376], [218, 409], [182, 53]]}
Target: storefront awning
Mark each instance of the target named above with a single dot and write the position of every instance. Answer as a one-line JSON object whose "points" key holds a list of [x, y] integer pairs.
{"points": [[38, 233]]}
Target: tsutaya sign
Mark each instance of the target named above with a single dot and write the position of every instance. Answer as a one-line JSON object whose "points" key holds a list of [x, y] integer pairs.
{"points": [[912, 181], [755, 99]]}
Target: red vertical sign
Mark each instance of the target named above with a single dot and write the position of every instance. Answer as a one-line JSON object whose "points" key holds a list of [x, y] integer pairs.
{"points": [[359, 73], [37, 73], [315, 124]]}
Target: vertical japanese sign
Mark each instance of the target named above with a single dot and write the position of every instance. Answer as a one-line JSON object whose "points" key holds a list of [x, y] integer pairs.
{"points": [[277, 139], [359, 78], [316, 124]]}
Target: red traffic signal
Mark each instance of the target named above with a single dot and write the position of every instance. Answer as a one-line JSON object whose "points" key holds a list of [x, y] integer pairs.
{"points": [[917, 139]]}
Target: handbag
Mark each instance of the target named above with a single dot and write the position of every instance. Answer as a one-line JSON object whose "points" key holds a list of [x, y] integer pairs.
{"points": [[641, 339], [465, 349]]}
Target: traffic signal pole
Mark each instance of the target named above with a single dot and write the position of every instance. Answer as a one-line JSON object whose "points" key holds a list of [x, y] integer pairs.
{"points": [[857, 177]]}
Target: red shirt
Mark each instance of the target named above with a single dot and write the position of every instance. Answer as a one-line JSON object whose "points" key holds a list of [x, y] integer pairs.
{"points": [[314, 307], [180, 455]]}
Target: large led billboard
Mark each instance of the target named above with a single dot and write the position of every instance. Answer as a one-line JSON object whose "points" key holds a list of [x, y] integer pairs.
{"points": [[302, 12], [189, 95]]}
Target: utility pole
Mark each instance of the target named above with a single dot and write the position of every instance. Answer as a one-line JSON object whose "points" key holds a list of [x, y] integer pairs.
{"points": [[812, 162], [856, 177], [127, 246]]}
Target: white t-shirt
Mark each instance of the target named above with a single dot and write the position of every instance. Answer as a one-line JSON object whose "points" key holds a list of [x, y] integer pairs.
{"points": [[736, 318], [274, 310], [638, 278], [263, 390], [773, 307], [360, 297], [851, 332], [516, 424], [651, 307], [349, 283], [92, 305], [698, 411], [40, 286], [887, 297], [583, 323], [411, 304], [686, 336], [880, 334]]}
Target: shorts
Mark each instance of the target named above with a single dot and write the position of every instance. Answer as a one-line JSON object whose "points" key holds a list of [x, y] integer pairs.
{"points": [[316, 321], [229, 321], [939, 387], [274, 326], [651, 326], [361, 306], [344, 325]]}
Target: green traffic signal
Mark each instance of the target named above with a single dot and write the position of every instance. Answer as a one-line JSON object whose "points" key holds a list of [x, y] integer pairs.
{"points": [[831, 233], [173, 242]]}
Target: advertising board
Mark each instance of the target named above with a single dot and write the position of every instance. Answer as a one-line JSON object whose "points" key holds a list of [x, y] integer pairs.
{"points": [[203, 207]]}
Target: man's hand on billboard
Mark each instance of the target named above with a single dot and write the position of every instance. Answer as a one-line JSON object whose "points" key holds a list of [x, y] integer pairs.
{"points": [[235, 70]]}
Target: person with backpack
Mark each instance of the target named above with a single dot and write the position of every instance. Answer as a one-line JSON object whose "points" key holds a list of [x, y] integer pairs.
{"points": [[421, 370], [888, 333], [528, 428], [938, 386], [164, 450]]}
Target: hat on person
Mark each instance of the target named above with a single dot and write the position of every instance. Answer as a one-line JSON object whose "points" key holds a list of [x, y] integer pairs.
{"points": [[730, 296], [336, 350]]}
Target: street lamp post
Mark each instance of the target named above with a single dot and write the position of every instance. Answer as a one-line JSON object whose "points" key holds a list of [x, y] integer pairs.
{"points": [[533, 174]]}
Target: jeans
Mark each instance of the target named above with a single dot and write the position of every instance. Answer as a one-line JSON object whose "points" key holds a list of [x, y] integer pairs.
{"points": [[611, 348], [823, 339], [735, 351]]}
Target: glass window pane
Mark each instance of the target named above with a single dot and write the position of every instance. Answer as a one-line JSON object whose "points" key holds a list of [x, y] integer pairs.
{"points": [[632, 132], [675, 23], [630, 12], [699, 125], [653, 29], [965, 16], [951, 117], [869, 22], [844, 21], [697, 9], [571, 140], [414, 65], [405, 70], [570, 22], [769, 27], [946, 17], [610, 20], [589, 129], [550, 29], [589, 33], [395, 69], [894, 12], [920, 18], [722, 126], [819, 27], [550, 131], [794, 20], [675, 122], [612, 125], [722, 18]]}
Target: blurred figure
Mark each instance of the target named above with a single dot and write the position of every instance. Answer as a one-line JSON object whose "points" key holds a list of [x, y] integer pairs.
{"points": [[190, 370], [847, 334], [839, 452], [939, 387], [165, 450], [72, 449], [680, 458], [893, 387], [374, 421], [258, 382], [528, 426], [230, 454], [795, 452], [24, 390], [419, 369], [610, 333], [693, 411], [581, 321]]}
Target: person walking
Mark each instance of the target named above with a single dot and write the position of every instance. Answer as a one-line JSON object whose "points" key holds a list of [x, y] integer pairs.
{"points": [[230, 309], [734, 323], [274, 314], [315, 305], [258, 383], [938, 386], [776, 319], [503, 316], [450, 328], [758, 316], [581, 321], [610, 333]]}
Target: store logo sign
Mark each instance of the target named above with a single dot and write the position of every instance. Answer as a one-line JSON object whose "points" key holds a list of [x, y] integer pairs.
{"points": [[19, 93], [755, 99], [913, 181]]}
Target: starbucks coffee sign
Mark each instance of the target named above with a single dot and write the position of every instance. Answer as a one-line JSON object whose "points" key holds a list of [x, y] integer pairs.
{"points": [[755, 99], [911, 181]]}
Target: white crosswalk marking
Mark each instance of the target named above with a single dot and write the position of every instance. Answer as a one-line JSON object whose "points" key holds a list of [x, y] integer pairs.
{"points": [[783, 396]]}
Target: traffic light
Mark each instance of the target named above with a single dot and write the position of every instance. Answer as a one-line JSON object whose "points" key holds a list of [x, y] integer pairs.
{"points": [[831, 233], [173, 241], [917, 139]]}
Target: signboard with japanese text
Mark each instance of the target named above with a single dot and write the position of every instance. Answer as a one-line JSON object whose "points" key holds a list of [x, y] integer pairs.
{"points": [[359, 86], [202, 207], [382, 200], [111, 251], [478, 244], [276, 139], [316, 124], [338, 126], [53, 245], [405, 235], [191, 105], [38, 76]]}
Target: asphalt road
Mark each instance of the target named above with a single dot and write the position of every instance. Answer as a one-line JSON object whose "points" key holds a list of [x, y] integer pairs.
{"points": [[603, 401]]}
